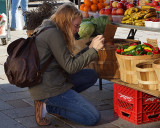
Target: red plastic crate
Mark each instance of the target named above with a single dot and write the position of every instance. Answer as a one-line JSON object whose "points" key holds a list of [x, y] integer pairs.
{"points": [[135, 106]]}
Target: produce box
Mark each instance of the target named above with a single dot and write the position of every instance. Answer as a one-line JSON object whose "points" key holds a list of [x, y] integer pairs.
{"points": [[129, 57], [117, 18], [107, 63], [106, 66], [94, 14], [153, 42], [146, 75], [127, 66], [135, 106], [156, 67]]}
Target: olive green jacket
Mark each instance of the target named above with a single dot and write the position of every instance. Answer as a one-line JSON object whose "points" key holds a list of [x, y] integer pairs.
{"points": [[55, 79]]}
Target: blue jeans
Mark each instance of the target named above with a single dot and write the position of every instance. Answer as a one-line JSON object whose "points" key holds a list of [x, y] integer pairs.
{"points": [[71, 105], [14, 9]]}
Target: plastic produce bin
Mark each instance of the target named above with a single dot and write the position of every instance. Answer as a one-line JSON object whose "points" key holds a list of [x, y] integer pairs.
{"points": [[135, 106]]}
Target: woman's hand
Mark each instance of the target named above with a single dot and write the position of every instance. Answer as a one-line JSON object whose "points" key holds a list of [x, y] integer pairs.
{"points": [[97, 43]]}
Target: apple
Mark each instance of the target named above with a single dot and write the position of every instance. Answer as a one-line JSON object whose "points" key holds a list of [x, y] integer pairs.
{"points": [[111, 1], [123, 1], [155, 3], [114, 4], [107, 11], [157, 8], [130, 6], [119, 11], [120, 5], [156, 20], [126, 3], [107, 7], [102, 11], [149, 19], [114, 11]]}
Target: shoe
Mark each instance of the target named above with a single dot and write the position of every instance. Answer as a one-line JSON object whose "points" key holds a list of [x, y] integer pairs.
{"points": [[12, 29], [25, 27], [41, 121]]}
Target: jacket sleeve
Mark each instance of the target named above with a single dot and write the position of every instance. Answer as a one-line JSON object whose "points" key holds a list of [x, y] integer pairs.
{"points": [[82, 51], [62, 55]]}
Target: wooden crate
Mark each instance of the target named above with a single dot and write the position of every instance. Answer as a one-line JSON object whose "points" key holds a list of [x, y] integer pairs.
{"points": [[106, 66], [153, 42]]}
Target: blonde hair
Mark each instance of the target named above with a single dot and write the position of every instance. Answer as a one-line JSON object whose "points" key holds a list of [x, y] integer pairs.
{"points": [[63, 18]]}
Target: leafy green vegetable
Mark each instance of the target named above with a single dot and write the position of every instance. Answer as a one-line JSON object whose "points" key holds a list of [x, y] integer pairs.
{"points": [[86, 29], [100, 24], [87, 19]]}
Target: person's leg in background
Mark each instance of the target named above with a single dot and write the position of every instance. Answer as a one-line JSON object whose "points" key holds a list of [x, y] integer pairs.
{"points": [[24, 6], [14, 9]]}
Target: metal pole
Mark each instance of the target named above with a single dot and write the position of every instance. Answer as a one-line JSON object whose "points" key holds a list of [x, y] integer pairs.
{"points": [[79, 3], [100, 84]]}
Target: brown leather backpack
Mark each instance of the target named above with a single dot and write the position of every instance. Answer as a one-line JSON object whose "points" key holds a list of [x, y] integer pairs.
{"points": [[22, 66]]}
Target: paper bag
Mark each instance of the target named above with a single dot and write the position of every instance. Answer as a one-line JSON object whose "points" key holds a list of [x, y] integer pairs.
{"points": [[109, 33]]}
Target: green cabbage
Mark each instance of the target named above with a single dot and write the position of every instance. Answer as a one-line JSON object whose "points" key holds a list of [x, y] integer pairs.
{"points": [[100, 24], [86, 29]]}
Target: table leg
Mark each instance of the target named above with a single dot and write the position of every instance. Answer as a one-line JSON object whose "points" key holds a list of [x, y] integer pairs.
{"points": [[79, 3], [131, 34], [100, 83]]}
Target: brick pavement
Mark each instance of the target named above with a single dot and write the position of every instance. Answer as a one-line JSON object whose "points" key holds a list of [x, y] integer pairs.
{"points": [[17, 108]]}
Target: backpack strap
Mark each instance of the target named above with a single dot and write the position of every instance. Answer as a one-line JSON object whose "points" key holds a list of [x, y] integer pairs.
{"points": [[38, 32], [46, 64]]}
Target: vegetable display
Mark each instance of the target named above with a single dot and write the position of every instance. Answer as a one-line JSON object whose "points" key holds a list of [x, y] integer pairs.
{"points": [[86, 29], [93, 26], [137, 49], [100, 24]]}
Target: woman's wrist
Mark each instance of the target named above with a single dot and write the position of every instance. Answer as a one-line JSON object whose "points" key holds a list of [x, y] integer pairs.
{"points": [[95, 49]]}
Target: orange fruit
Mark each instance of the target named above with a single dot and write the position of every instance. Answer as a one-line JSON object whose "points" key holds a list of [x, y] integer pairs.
{"points": [[95, 1], [87, 8], [94, 7], [100, 6], [87, 2], [100, 1], [82, 7], [105, 4]]}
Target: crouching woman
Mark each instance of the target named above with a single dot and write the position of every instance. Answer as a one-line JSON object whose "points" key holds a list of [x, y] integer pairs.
{"points": [[65, 77]]}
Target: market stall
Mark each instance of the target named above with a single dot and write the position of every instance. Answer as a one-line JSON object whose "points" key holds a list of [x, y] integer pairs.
{"points": [[100, 18], [135, 75]]}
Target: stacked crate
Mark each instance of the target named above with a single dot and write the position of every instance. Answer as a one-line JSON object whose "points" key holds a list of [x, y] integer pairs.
{"points": [[135, 106]]}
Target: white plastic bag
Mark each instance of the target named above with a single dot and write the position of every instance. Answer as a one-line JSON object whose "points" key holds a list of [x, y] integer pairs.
{"points": [[4, 18]]}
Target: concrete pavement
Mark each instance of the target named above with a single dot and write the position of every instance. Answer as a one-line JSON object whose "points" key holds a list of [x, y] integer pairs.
{"points": [[17, 108]]}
